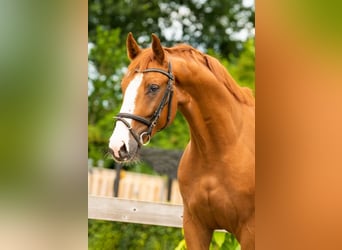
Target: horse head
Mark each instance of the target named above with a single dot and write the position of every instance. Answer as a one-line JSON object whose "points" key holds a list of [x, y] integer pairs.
{"points": [[149, 103]]}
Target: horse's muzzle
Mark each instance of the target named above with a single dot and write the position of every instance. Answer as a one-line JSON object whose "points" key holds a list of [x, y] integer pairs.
{"points": [[122, 152]]}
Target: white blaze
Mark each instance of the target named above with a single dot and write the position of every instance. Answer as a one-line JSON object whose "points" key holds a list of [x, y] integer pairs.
{"points": [[121, 133]]}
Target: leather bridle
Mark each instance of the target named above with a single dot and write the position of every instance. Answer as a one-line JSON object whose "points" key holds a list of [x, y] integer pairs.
{"points": [[151, 123]]}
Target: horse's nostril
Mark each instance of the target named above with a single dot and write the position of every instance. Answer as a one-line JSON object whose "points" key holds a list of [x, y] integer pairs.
{"points": [[123, 151]]}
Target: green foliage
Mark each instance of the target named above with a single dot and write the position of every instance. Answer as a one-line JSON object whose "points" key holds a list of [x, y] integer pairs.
{"points": [[176, 136], [224, 241], [205, 24], [108, 54], [220, 241], [181, 245], [107, 59], [98, 136], [105, 235]]}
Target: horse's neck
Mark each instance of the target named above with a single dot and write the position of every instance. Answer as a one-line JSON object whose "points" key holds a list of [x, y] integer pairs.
{"points": [[213, 115]]}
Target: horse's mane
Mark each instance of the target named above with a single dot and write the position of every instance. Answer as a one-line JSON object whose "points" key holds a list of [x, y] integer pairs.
{"points": [[242, 94]]}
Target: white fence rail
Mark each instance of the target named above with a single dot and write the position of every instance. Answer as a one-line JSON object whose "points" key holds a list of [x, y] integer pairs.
{"points": [[133, 211], [141, 198]]}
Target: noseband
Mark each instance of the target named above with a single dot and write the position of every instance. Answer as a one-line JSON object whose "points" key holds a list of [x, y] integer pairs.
{"points": [[151, 123]]}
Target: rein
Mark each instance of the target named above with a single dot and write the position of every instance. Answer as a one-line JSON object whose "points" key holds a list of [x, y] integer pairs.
{"points": [[151, 123]]}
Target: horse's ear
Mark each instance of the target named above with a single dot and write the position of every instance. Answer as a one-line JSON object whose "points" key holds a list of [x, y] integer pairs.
{"points": [[157, 49], [133, 48]]}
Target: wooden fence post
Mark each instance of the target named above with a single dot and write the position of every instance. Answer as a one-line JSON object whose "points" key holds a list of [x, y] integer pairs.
{"points": [[117, 179]]}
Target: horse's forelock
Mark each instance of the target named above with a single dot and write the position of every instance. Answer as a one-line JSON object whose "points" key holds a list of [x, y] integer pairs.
{"points": [[141, 61]]}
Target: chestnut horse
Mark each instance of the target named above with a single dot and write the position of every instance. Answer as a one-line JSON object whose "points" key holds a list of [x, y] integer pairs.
{"points": [[216, 172]]}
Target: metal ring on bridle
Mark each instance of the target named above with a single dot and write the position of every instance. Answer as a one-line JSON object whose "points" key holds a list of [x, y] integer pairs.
{"points": [[142, 138]]}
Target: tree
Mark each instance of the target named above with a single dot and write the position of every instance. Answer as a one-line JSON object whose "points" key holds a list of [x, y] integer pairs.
{"points": [[107, 58], [203, 24]]}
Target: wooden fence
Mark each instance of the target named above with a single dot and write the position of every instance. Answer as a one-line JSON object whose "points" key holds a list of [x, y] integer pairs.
{"points": [[149, 209], [141, 198], [133, 211], [132, 186]]}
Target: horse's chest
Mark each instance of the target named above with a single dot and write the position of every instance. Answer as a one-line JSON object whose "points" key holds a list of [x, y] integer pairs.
{"points": [[207, 200]]}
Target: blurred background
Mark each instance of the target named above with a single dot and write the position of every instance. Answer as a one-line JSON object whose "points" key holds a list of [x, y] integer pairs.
{"points": [[223, 29]]}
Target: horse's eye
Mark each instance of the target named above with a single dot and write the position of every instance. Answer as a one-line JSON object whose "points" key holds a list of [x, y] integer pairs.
{"points": [[153, 88]]}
